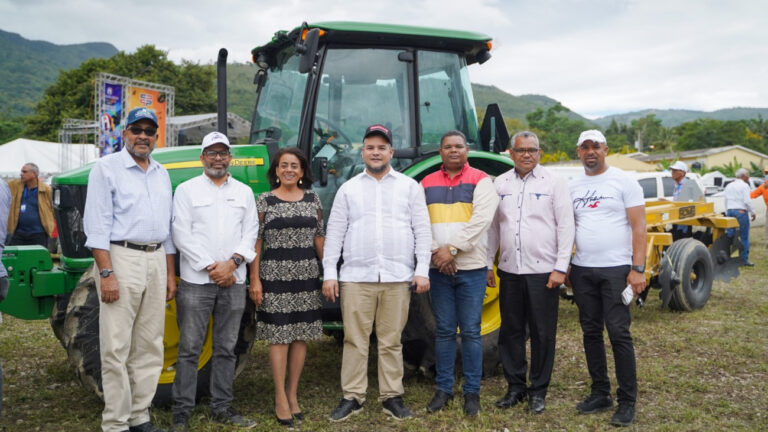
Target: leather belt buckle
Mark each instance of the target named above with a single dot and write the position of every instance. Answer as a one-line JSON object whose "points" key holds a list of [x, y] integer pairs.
{"points": [[151, 248]]}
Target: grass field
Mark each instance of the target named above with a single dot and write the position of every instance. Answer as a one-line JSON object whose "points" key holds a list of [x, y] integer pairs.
{"points": [[700, 371]]}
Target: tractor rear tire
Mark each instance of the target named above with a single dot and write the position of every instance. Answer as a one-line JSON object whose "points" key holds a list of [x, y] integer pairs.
{"points": [[81, 323], [58, 315], [693, 265]]}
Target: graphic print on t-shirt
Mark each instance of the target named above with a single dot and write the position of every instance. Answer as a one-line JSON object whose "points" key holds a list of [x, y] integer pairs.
{"points": [[589, 199]]}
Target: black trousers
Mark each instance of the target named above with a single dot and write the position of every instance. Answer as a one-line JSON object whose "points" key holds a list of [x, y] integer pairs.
{"points": [[525, 299], [20, 239], [597, 292]]}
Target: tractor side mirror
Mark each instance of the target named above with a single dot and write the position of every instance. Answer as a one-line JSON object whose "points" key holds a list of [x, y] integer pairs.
{"points": [[493, 133], [310, 44], [320, 168]]}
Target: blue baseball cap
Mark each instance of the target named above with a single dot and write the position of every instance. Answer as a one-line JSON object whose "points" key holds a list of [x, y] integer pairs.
{"points": [[141, 114]]}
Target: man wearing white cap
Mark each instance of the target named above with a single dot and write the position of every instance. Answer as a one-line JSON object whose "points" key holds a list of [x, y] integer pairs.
{"points": [[215, 226], [686, 190], [609, 210]]}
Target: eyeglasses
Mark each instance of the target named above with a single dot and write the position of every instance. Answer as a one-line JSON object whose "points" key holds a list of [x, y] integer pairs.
{"points": [[531, 151], [211, 154], [150, 131]]}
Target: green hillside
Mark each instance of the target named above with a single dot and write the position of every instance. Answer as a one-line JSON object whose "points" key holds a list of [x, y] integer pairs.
{"points": [[515, 106], [29, 67], [676, 117]]}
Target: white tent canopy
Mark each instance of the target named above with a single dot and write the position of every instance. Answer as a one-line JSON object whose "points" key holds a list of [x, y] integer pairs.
{"points": [[52, 158]]}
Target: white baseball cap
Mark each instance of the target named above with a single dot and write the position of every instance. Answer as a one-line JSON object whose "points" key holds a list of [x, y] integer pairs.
{"points": [[679, 165], [591, 135], [215, 138]]}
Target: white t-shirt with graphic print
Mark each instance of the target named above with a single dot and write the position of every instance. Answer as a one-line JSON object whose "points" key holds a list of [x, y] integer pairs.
{"points": [[603, 234]]}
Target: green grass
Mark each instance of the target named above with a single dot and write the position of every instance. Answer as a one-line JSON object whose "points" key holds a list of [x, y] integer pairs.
{"points": [[705, 370]]}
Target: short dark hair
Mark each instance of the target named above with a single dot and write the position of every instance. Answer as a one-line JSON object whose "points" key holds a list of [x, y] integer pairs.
{"points": [[451, 133], [306, 179]]}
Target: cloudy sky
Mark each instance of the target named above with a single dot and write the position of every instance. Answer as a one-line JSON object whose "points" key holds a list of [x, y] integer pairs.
{"points": [[597, 57]]}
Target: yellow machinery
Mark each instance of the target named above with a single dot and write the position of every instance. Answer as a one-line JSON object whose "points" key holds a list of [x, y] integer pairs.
{"points": [[684, 268]]}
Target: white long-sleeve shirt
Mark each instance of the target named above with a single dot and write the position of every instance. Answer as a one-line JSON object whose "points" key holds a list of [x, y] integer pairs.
{"points": [[380, 225], [211, 223], [737, 196]]}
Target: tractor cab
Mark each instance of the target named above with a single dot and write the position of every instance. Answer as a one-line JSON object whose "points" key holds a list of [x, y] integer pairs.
{"points": [[321, 85]]}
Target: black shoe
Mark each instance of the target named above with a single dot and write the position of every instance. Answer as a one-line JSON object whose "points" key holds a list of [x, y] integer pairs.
{"points": [[145, 427], [471, 404], [231, 417], [284, 422], [595, 404], [510, 399], [299, 416], [748, 264], [438, 401], [536, 404], [179, 423], [625, 415], [346, 408], [395, 407]]}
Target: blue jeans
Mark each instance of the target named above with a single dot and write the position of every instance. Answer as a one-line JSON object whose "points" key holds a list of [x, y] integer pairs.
{"points": [[194, 306], [458, 301], [743, 217]]}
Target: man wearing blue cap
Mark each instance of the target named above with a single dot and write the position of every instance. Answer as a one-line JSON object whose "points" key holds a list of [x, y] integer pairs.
{"points": [[128, 224]]}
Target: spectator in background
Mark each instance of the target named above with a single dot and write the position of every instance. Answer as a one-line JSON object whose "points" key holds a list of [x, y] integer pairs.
{"points": [[686, 190], [5, 205], [737, 204], [762, 190], [30, 220]]}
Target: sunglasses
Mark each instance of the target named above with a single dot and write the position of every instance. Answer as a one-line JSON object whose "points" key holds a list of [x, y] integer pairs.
{"points": [[150, 131]]}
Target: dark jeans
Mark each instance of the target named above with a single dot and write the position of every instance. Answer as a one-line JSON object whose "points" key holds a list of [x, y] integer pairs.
{"points": [[743, 217], [3, 293], [597, 292], [458, 301], [194, 306], [525, 299], [21, 239]]}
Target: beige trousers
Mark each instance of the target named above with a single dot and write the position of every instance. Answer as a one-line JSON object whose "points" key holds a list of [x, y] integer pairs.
{"points": [[131, 337], [362, 305]]}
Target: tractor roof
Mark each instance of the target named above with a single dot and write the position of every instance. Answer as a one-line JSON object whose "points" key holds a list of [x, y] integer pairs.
{"points": [[374, 35]]}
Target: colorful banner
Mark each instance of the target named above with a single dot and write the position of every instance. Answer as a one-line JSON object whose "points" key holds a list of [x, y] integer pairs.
{"points": [[154, 100], [110, 113]]}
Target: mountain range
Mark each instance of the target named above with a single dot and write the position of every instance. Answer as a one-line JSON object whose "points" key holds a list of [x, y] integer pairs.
{"points": [[29, 67]]}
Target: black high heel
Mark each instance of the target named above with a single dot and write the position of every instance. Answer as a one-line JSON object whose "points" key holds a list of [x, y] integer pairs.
{"points": [[299, 416], [285, 422]]}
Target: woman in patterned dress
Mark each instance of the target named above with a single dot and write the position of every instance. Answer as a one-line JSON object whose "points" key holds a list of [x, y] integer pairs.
{"points": [[284, 277]]}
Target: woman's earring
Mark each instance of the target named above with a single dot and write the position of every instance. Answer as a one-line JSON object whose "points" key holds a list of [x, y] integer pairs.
{"points": [[278, 180], [299, 181]]}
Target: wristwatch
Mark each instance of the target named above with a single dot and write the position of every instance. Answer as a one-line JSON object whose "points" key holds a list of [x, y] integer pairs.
{"points": [[638, 268], [237, 260], [106, 272], [453, 250]]}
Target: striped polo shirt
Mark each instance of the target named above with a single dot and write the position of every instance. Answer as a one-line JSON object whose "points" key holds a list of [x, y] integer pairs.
{"points": [[452, 202]]}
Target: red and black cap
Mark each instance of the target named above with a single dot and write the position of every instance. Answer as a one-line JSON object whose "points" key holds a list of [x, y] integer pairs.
{"points": [[378, 129]]}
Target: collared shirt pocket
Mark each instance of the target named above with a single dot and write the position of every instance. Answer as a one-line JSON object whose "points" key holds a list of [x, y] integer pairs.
{"points": [[539, 202], [235, 207]]}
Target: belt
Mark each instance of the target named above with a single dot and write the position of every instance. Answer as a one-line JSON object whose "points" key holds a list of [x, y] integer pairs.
{"points": [[142, 247]]}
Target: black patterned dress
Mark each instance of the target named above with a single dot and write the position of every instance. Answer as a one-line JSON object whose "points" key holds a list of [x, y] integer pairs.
{"points": [[291, 308]]}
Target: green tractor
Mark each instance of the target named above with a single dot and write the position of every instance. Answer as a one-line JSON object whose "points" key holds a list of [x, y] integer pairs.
{"points": [[318, 87]]}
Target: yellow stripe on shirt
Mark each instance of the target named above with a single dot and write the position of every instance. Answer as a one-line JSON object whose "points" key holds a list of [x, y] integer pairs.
{"points": [[449, 213]]}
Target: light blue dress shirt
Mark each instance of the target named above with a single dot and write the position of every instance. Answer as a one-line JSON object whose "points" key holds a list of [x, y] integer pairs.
{"points": [[5, 207], [126, 203]]}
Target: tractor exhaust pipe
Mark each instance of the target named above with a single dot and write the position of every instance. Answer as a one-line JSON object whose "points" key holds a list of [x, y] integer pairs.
{"points": [[221, 91]]}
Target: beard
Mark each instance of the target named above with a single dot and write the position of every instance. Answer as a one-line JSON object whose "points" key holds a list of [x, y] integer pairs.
{"points": [[377, 170], [130, 148]]}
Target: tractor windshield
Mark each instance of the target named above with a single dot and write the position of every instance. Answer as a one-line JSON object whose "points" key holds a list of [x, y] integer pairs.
{"points": [[278, 113]]}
